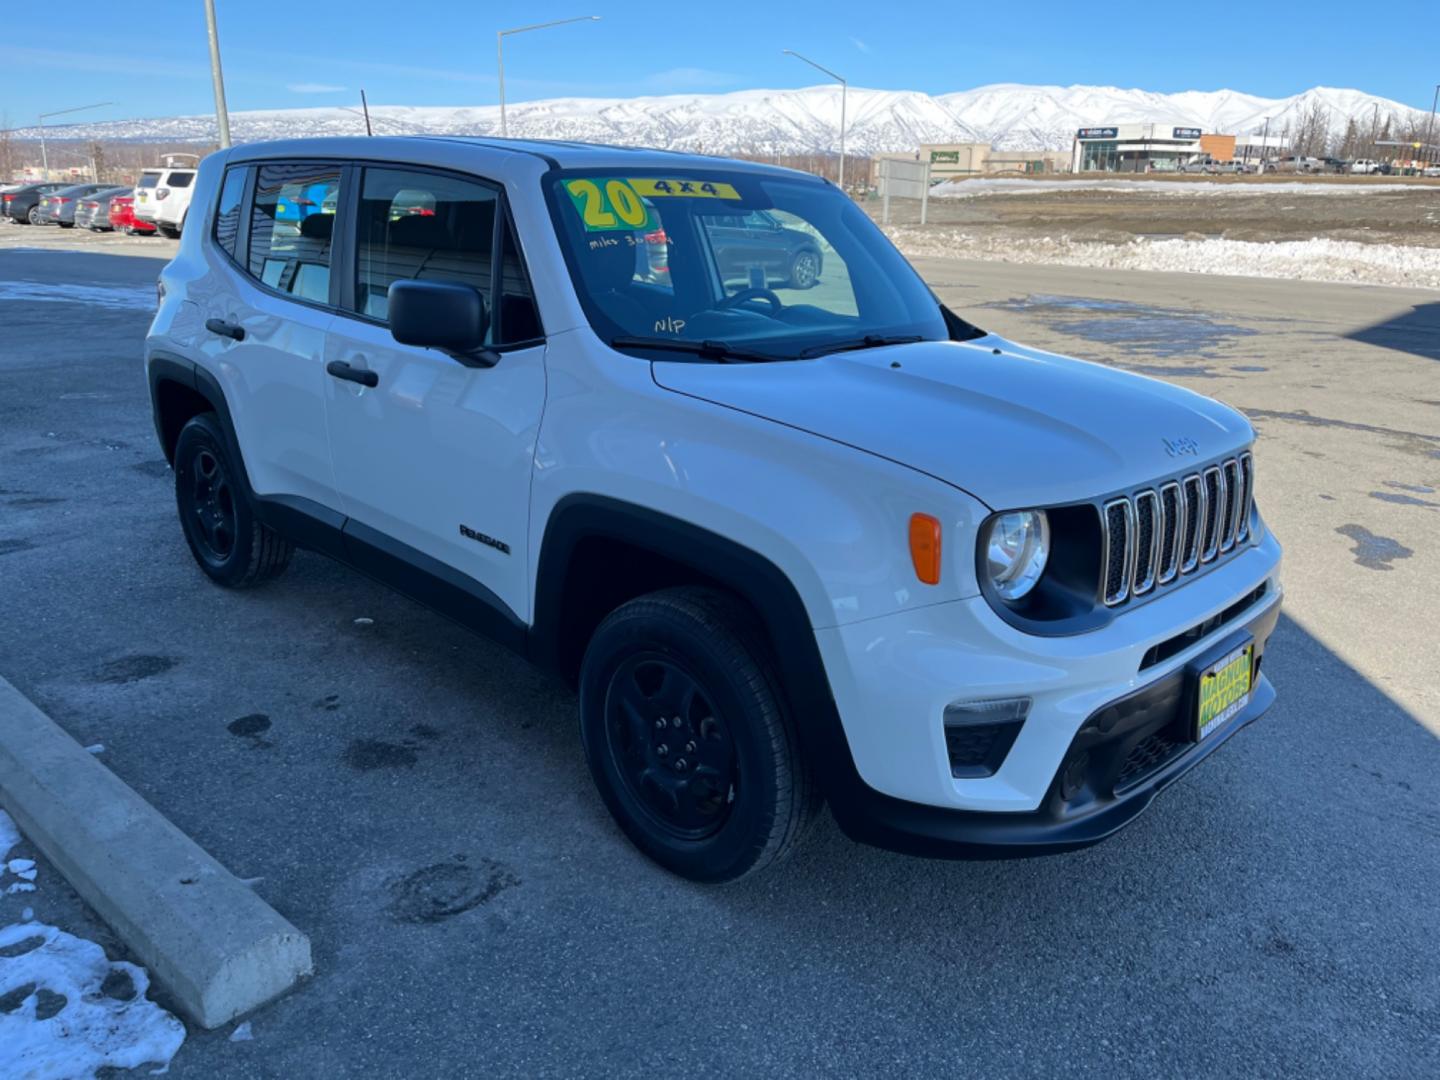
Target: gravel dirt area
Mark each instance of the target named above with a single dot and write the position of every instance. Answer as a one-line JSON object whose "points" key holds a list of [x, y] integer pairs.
{"points": [[1389, 212]]}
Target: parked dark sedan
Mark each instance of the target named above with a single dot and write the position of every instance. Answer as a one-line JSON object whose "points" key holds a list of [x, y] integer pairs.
{"points": [[93, 213], [757, 249], [23, 204], [58, 207]]}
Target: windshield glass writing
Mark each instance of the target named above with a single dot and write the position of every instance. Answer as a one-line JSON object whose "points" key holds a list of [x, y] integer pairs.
{"points": [[766, 263]]}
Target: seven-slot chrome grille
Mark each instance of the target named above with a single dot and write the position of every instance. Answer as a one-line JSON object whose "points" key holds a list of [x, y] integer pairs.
{"points": [[1155, 535]]}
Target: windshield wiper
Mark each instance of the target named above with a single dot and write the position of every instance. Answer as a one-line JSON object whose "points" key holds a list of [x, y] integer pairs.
{"points": [[710, 350], [869, 341]]}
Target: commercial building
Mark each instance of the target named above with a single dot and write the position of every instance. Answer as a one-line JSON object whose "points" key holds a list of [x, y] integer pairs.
{"points": [[949, 161], [1135, 147]]}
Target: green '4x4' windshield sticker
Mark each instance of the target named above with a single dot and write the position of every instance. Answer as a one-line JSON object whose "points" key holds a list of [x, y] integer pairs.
{"points": [[609, 205]]}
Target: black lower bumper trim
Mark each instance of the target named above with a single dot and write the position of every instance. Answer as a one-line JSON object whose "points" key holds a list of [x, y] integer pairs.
{"points": [[1122, 757]]}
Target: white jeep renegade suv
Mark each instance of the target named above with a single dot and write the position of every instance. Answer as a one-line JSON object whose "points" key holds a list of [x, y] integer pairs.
{"points": [[692, 433]]}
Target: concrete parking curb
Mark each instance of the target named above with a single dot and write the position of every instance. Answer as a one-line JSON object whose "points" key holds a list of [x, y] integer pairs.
{"points": [[209, 940]]}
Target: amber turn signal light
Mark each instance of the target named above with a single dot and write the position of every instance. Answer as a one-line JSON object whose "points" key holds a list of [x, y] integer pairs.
{"points": [[925, 547]]}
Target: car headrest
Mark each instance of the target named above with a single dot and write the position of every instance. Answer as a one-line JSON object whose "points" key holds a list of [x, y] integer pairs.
{"points": [[318, 227], [420, 231]]}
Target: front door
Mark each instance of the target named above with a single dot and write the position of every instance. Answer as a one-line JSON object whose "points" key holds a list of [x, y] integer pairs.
{"points": [[437, 455]]}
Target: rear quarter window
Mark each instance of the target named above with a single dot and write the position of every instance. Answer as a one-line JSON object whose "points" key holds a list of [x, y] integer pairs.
{"points": [[227, 210], [180, 179]]}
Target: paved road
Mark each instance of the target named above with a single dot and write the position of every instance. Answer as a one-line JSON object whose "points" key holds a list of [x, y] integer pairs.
{"points": [[1274, 914]]}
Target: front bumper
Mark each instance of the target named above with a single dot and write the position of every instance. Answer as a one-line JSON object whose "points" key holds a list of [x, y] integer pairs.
{"points": [[1122, 757], [1097, 698]]}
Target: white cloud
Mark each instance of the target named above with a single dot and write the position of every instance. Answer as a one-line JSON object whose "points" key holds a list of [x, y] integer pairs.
{"points": [[860, 44], [314, 88]]}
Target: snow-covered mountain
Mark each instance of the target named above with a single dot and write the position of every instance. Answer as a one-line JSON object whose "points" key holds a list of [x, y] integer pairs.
{"points": [[1011, 116]]}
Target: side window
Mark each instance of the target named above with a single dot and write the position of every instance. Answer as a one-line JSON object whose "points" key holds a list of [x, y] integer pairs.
{"points": [[180, 179], [227, 209], [290, 228], [423, 226]]}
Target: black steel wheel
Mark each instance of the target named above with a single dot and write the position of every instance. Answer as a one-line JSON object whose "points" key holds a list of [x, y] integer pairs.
{"points": [[688, 735], [229, 542], [670, 746]]}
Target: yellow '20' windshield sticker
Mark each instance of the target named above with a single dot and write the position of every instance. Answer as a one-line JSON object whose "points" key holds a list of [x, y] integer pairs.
{"points": [[607, 205]]}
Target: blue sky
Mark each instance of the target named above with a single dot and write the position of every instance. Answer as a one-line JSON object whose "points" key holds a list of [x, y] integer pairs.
{"points": [[153, 61]]}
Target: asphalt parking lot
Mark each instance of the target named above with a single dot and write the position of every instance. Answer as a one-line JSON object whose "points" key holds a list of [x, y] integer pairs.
{"points": [[416, 801]]}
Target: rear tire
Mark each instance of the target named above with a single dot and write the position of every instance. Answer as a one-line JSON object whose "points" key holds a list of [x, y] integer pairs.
{"points": [[33, 217], [232, 546], [689, 738]]}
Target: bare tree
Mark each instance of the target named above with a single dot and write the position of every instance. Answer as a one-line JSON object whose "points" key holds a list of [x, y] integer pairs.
{"points": [[96, 150], [1312, 133]]}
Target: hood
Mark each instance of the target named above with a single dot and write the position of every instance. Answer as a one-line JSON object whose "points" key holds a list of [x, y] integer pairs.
{"points": [[1015, 427]]}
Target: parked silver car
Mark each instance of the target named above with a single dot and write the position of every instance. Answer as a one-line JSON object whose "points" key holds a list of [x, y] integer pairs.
{"points": [[93, 211], [58, 207]]}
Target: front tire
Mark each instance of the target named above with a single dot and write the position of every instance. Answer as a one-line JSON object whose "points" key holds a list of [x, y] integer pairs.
{"points": [[229, 542], [688, 736]]}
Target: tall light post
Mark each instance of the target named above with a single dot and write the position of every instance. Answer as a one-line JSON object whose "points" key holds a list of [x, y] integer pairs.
{"points": [[222, 113], [500, 55], [44, 154], [1430, 127], [1265, 144], [843, 87]]}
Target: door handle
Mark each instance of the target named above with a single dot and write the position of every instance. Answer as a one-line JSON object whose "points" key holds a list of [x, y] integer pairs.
{"points": [[341, 370], [225, 329]]}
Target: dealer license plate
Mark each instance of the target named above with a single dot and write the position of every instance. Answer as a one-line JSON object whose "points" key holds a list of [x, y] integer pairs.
{"points": [[1224, 689]]}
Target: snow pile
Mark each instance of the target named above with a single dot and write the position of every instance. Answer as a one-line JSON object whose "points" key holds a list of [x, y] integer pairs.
{"points": [[81, 1012], [1303, 260], [1000, 185], [65, 1010]]}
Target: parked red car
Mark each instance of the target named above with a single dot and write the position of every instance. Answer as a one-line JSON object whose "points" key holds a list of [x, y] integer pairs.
{"points": [[123, 219]]}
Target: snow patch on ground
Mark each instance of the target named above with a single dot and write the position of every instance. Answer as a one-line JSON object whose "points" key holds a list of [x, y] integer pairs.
{"points": [[79, 1012], [117, 297], [65, 1009], [970, 189], [1344, 261], [16, 875]]}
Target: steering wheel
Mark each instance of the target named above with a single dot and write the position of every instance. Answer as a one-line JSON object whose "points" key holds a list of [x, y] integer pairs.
{"points": [[752, 294]]}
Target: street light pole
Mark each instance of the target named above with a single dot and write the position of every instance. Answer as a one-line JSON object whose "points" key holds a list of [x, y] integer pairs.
{"points": [[500, 56], [1430, 127], [44, 153], [1265, 144], [843, 88], [222, 114]]}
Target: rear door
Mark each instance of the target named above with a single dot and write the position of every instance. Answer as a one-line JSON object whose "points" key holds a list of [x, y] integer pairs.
{"points": [[437, 455], [265, 318]]}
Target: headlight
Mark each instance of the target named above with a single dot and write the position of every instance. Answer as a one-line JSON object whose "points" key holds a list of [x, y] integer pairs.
{"points": [[1016, 550]]}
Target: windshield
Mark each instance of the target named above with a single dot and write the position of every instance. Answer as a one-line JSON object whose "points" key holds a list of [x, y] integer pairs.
{"points": [[774, 266]]}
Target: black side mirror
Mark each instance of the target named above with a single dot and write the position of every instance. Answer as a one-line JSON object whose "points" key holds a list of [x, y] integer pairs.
{"points": [[442, 315]]}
